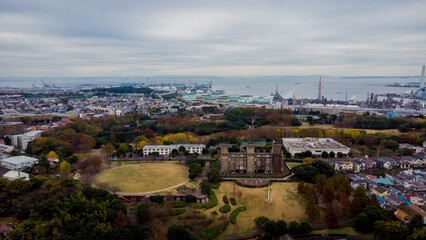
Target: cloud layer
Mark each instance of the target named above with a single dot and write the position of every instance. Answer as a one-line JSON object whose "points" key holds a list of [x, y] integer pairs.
{"points": [[141, 38]]}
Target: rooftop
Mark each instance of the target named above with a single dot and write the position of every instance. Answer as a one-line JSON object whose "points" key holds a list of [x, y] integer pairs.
{"points": [[313, 143]]}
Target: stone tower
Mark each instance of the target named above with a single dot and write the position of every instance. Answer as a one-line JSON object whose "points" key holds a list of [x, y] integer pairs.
{"points": [[277, 156], [250, 158], [223, 158]]}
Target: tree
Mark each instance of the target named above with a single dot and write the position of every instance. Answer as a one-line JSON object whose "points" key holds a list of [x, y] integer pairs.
{"points": [[7, 140], [271, 228], [260, 221], [324, 154], [64, 168], [393, 230], [327, 194], [121, 220], [416, 222], [52, 154], [373, 200], [354, 208], [361, 196], [332, 154], [305, 228], [282, 227], [15, 152], [178, 232], [330, 217], [390, 144], [350, 154], [214, 176], [44, 162], [108, 149], [320, 181], [312, 209], [142, 212], [205, 188], [362, 223], [293, 228], [339, 154], [194, 170]]}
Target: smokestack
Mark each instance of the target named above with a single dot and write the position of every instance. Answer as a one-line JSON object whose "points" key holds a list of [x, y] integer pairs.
{"points": [[422, 83]]}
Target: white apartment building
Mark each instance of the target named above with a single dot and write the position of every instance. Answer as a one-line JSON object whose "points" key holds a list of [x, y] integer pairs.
{"points": [[21, 140], [19, 162], [165, 150], [13, 175]]}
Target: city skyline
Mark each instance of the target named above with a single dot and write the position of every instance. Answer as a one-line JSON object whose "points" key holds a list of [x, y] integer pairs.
{"points": [[78, 39]]}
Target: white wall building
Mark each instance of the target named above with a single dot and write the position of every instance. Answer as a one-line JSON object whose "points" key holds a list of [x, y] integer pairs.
{"points": [[165, 150], [13, 175], [17, 163], [315, 145], [21, 140]]}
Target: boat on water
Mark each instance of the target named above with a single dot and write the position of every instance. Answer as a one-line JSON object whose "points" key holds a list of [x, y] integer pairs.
{"points": [[247, 86]]}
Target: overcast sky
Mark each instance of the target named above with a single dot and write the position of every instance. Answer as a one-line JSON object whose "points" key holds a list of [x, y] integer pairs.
{"points": [[222, 38]]}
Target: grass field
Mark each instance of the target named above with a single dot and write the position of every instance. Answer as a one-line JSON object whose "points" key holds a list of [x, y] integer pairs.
{"points": [[144, 177], [293, 164], [284, 203]]}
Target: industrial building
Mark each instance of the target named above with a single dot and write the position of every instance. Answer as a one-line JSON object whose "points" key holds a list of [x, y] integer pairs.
{"points": [[165, 150], [251, 160], [315, 145]]}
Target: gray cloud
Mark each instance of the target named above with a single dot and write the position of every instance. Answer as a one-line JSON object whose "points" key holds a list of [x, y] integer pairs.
{"points": [[129, 38]]}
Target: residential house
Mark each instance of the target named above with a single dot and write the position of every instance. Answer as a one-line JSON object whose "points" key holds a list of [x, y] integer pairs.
{"points": [[384, 181], [412, 210], [417, 149], [356, 183], [381, 191], [402, 216], [359, 166], [384, 162], [370, 165], [394, 199], [417, 201]]}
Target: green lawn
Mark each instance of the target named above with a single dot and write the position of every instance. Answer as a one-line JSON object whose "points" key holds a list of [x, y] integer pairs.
{"points": [[349, 231], [293, 164], [144, 177]]}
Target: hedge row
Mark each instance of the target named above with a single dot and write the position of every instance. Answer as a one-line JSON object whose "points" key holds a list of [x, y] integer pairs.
{"points": [[225, 208], [215, 185], [179, 211], [179, 204], [234, 214]]}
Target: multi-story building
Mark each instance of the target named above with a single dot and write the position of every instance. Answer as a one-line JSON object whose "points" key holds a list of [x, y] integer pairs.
{"points": [[314, 145], [21, 140], [251, 161], [165, 150], [19, 162], [9, 128]]}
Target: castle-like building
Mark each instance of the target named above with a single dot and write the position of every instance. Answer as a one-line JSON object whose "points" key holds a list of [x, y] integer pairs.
{"points": [[251, 161]]}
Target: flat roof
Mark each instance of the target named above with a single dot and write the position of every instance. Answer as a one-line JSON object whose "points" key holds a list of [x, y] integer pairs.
{"points": [[19, 159], [303, 144]]}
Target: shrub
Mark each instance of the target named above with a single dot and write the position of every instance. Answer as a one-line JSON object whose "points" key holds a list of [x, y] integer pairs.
{"points": [[156, 198], [233, 201], [189, 198], [261, 220], [225, 208], [142, 212], [234, 214], [179, 204], [179, 211], [214, 213], [213, 232], [225, 199], [215, 185]]}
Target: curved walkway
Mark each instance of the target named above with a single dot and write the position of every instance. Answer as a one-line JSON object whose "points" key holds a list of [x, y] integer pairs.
{"points": [[141, 193]]}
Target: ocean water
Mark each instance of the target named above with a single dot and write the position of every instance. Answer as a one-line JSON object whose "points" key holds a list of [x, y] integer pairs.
{"points": [[334, 88]]}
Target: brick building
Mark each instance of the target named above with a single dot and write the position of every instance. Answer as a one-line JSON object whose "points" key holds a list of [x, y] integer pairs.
{"points": [[9, 128], [251, 160]]}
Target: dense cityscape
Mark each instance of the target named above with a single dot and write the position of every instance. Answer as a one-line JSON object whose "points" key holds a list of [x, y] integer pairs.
{"points": [[185, 120]]}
